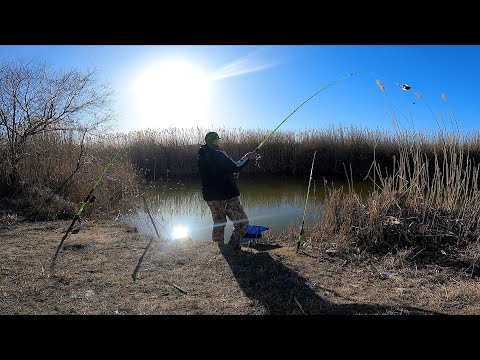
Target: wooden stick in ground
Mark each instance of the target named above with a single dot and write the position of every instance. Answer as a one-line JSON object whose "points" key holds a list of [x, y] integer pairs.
{"points": [[178, 288], [134, 274], [70, 228]]}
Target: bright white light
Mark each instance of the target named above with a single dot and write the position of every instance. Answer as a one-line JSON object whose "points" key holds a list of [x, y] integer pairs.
{"points": [[172, 93], [180, 232]]}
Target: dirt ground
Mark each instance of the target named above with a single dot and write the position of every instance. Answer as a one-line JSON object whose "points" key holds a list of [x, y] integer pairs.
{"points": [[93, 275]]}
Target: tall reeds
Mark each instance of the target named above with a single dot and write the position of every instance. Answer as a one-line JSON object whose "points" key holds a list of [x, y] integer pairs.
{"points": [[156, 152], [427, 200]]}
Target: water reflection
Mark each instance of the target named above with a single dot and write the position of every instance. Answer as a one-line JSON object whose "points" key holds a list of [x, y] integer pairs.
{"points": [[276, 202], [180, 232]]}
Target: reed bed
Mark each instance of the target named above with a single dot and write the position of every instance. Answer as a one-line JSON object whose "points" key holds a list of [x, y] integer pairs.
{"points": [[424, 205], [430, 213], [156, 153]]}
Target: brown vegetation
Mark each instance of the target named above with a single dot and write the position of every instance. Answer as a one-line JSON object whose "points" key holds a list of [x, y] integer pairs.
{"points": [[61, 169], [48, 120], [154, 152]]}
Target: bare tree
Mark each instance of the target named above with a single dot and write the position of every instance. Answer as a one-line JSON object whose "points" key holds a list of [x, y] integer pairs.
{"points": [[36, 98]]}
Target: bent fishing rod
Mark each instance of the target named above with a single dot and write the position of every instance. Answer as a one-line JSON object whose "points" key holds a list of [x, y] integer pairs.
{"points": [[311, 170], [405, 87], [258, 157], [88, 198], [303, 103]]}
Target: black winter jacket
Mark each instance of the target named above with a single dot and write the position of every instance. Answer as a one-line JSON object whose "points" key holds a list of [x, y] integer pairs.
{"points": [[216, 172]]}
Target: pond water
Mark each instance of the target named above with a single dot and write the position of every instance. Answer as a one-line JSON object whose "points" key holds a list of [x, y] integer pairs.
{"points": [[179, 210]]}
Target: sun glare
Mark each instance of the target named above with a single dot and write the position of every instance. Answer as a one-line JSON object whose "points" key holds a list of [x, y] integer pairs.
{"points": [[172, 93], [180, 232]]}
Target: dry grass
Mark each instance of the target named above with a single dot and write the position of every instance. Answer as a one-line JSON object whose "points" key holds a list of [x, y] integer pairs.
{"points": [[59, 170], [430, 214], [93, 276], [424, 208], [158, 153]]}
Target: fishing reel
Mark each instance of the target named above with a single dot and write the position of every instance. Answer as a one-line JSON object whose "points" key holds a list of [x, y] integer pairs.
{"points": [[258, 160]]}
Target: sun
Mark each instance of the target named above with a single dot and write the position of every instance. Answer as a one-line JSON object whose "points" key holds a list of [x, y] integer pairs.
{"points": [[172, 94]]}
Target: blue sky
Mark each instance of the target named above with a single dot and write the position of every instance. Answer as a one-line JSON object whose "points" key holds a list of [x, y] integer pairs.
{"points": [[258, 86]]}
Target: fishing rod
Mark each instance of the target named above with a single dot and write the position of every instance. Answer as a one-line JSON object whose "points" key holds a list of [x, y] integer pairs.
{"points": [[303, 103], [88, 198], [258, 157], [305, 206]]}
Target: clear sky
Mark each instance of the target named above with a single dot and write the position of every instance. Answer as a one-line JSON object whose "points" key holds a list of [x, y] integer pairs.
{"points": [[159, 86]]}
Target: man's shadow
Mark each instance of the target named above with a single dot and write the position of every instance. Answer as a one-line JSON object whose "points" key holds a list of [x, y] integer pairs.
{"points": [[283, 291]]}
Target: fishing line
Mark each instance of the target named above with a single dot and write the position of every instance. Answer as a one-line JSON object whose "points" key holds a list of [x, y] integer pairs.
{"points": [[418, 96]]}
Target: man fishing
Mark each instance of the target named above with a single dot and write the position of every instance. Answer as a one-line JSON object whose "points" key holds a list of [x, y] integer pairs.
{"points": [[218, 173]]}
